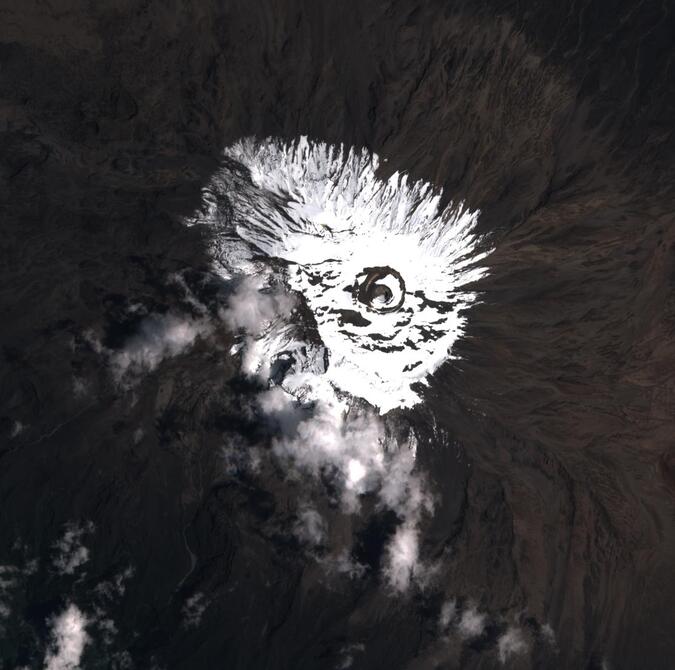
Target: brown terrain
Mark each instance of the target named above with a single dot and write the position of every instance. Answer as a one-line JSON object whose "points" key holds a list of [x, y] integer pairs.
{"points": [[556, 473]]}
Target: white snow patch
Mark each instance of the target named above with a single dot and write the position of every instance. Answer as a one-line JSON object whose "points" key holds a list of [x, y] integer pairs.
{"points": [[323, 211]]}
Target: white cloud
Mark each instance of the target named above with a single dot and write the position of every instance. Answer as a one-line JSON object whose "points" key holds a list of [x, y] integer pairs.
{"points": [[70, 550], [158, 337], [68, 639], [188, 296], [80, 387], [8, 575], [347, 659], [403, 556], [8, 581], [321, 432], [343, 564], [117, 586], [259, 313], [332, 436], [404, 490], [279, 406], [252, 307], [239, 458], [122, 660], [403, 565], [448, 613], [548, 634], [511, 643], [472, 623], [17, 429], [310, 527], [350, 442], [107, 628], [194, 609]]}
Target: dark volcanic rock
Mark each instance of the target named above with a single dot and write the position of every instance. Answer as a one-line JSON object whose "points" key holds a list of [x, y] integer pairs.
{"points": [[555, 474]]}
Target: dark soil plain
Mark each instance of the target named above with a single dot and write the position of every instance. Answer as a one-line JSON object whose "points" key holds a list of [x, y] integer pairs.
{"points": [[556, 480]]}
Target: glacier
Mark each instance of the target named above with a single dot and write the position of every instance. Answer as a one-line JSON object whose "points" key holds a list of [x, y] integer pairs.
{"points": [[384, 270]]}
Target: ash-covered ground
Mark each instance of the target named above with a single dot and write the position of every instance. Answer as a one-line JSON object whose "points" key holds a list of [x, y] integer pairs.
{"points": [[159, 507]]}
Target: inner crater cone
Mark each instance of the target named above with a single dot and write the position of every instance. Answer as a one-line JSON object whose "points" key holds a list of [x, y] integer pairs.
{"points": [[382, 289]]}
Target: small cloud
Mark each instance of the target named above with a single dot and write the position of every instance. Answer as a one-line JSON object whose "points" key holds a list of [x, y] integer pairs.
{"points": [[89, 336], [448, 613], [348, 652], [310, 527], [548, 634], [70, 550], [17, 429], [107, 628], [193, 610], [122, 660], [189, 297], [511, 643], [138, 435], [252, 307], [5, 611], [158, 337], [404, 490], [472, 623], [280, 408], [8, 575], [122, 578], [11, 579], [402, 557], [68, 639], [343, 564], [254, 311], [117, 586], [80, 387], [239, 458], [30, 568], [8, 581]]}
